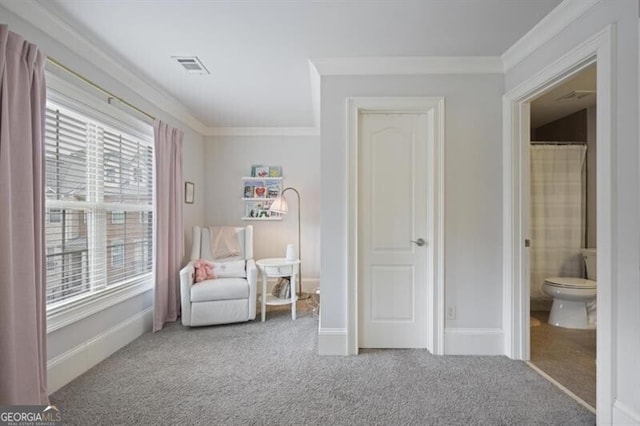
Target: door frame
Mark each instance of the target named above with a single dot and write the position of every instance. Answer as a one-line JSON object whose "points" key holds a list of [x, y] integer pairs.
{"points": [[598, 49], [433, 107]]}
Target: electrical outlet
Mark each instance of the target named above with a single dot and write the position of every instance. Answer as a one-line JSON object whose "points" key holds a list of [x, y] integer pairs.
{"points": [[451, 312]]}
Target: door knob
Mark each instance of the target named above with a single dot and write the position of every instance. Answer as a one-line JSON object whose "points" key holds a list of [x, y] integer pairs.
{"points": [[419, 242]]}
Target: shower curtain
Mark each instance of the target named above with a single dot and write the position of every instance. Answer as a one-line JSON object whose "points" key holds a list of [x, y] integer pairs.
{"points": [[558, 195]]}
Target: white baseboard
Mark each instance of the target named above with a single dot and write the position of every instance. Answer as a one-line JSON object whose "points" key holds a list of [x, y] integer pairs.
{"points": [[473, 341], [71, 364], [332, 341], [309, 285], [462, 341], [623, 415]]}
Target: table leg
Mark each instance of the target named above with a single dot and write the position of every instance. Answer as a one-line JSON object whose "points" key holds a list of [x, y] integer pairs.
{"points": [[264, 297], [293, 295]]}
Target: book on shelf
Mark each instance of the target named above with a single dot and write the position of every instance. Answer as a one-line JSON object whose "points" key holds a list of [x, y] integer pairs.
{"points": [[260, 192], [261, 171], [257, 209], [248, 190], [273, 190], [282, 289], [275, 171]]}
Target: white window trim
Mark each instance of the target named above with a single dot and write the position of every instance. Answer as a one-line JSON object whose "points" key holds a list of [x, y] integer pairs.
{"points": [[85, 305], [71, 96]]}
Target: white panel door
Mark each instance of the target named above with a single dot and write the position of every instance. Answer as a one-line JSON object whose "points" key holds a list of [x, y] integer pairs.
{"points": [[392, 212]]}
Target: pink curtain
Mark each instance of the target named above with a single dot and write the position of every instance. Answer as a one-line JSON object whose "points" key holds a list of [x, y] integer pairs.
{"points": [[169, 228], [23, 353]]}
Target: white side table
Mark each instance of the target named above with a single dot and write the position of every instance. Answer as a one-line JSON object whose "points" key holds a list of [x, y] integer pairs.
{"points": [[278, 267]]}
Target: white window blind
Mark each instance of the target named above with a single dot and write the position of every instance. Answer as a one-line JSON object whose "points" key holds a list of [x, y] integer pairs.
{"points": [[99, 183]]}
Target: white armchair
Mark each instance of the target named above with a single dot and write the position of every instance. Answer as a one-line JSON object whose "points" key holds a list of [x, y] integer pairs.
{"points": [[219, 300]]}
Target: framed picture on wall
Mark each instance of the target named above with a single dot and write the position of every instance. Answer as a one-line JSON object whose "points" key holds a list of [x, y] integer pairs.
{"points": [[189, 192]]}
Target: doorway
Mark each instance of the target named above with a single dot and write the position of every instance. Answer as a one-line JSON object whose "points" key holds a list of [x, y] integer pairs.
{"points": [[395, 268], [516, 114], [562, 230]]}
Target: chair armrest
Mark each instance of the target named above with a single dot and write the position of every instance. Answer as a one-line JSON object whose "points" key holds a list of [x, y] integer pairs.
{"points": [[252, 279], [186, 281]]}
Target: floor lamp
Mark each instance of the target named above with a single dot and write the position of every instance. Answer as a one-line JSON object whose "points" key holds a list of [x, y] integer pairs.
{"points": [[281, 206]]}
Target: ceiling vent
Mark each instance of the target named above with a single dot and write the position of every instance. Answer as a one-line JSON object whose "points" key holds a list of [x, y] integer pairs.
{"points": [[191, 64], [576, 95]]}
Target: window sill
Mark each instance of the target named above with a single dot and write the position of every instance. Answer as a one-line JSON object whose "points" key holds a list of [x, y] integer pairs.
{"points": [[69, 313]]}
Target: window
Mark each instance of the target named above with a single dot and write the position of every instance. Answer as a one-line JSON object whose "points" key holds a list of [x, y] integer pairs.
{"points": [[117, 253], [55, 216], [117, 218], [98, 184], [144, 217]]}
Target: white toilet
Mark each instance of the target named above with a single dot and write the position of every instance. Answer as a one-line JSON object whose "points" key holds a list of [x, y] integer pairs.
{"points": [[572, 295]]}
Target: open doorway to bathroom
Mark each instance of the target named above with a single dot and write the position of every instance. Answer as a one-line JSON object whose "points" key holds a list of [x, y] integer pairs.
{"points": [[562, 230]]}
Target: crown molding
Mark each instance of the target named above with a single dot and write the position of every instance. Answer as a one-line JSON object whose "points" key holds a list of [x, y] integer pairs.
{"points": [[548, 27], [408, 65], [52, 25], [48, 22], [263, 131]]}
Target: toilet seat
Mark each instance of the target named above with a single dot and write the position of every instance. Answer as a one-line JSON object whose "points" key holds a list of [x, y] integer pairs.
{"points": [[571, 282]]}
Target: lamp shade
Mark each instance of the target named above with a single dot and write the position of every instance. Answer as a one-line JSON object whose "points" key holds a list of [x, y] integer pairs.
{"points": [[279, 205]]}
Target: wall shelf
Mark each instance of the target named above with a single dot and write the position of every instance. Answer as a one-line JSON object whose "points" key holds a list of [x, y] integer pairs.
{"points": [[258, 194], [250, 179]]}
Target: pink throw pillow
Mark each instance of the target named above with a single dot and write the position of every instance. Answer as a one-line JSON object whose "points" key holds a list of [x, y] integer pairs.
{"points": [[204, 271]]}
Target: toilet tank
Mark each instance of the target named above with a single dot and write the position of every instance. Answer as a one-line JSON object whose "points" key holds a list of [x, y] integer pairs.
{"points": [[590, 262]]}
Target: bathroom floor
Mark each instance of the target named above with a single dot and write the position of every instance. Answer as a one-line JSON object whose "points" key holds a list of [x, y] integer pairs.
{"points": [[567, 355]]}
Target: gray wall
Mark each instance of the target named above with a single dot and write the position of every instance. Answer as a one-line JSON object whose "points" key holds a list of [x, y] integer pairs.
{"points": [[473, 190], [229, 158]]}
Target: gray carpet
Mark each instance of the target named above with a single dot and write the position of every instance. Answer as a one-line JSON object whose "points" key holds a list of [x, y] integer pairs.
{"points": [[269, 374]]}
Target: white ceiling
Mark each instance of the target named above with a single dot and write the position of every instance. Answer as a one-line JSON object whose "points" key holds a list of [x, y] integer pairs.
{"points": [[258, 51]]}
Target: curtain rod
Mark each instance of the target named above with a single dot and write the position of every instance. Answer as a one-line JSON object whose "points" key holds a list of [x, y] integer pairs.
{"points": [[110, 96]]}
